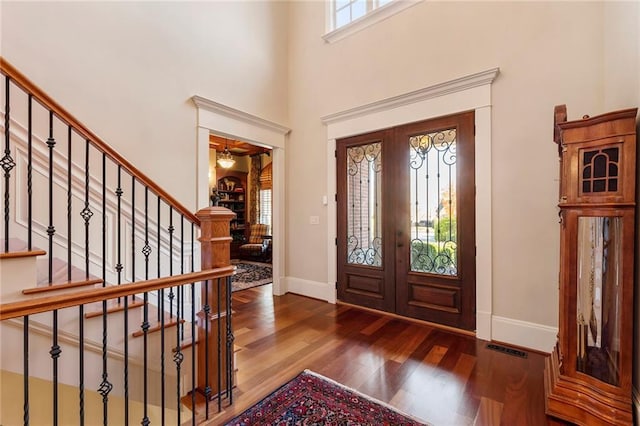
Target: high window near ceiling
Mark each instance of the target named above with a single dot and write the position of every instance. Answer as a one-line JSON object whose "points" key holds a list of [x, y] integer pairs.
{"points": [[347, 11], [345, 17]]}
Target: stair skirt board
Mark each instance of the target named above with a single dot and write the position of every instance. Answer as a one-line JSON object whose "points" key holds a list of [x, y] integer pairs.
{"points": [[40, 344], [40, 391]]}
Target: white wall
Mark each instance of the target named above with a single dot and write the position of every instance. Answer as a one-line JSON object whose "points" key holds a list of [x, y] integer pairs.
{"points": [[127, 70], [544, 58]]}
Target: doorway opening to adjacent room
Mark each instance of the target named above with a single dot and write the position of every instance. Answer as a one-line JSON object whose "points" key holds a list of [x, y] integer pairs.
{"points": [[240, 179]]}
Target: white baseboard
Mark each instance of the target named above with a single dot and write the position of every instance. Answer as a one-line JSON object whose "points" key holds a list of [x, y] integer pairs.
{"points": [[522, 333], [314, 289], [636, 402]]}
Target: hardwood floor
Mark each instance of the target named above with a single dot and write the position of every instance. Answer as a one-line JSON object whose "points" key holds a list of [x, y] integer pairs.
{"points": [[441, 377]]}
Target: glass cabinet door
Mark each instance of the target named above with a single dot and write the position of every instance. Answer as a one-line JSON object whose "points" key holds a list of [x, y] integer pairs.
{"points": [[598, 297]]}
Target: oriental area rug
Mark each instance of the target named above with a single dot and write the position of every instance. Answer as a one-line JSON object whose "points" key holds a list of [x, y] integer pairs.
{"points": [[250, 274], [312, 399]]}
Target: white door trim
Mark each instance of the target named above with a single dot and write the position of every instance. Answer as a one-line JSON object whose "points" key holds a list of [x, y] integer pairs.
{"points": [[472, 92], [233, 123]]}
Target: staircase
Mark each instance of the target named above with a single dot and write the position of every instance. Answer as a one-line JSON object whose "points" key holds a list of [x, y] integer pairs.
{"points": [[105, 295]]}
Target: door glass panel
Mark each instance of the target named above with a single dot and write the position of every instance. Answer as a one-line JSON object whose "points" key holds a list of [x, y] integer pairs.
{"points": [[599, 296], [364, 207], [434, 227]]}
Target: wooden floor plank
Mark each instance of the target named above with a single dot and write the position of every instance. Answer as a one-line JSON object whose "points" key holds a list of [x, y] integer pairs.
{"points": [[441, 377]]}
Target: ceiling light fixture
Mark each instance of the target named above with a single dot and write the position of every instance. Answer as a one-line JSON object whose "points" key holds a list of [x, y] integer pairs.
{"points": [[225, 159]]}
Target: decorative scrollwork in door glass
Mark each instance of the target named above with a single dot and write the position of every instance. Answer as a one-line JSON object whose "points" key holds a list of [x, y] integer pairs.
{"points": [[434, 225], [364, 207]]}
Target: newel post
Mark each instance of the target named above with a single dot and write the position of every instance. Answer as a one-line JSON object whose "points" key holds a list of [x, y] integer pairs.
{"points": [[214, 361]]}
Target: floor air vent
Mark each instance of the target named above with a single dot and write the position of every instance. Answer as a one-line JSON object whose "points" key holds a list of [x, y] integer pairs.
{"points": [[506, 350]]}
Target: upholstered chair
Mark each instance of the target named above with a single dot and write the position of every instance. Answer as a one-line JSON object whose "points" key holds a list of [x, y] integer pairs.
{"points": [[258, 246]]}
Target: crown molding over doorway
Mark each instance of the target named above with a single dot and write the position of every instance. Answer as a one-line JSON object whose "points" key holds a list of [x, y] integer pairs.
{"points": [[236, 124], [237, 115], [471, 92], [482, 78]]}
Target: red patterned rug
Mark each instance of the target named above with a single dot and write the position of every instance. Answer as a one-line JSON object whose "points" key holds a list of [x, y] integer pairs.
{"points": [[311, 399]]}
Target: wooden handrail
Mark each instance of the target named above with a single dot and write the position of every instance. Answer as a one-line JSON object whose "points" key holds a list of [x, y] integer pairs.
{"points": [[27, 85], [50, 303]]}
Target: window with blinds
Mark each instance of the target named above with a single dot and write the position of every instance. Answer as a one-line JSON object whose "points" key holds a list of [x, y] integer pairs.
{"points": [[266, 185], [266, 181], [265, 207]]}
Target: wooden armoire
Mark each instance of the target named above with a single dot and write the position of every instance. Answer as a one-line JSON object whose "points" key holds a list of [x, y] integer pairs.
{"points": [[588, 376]]}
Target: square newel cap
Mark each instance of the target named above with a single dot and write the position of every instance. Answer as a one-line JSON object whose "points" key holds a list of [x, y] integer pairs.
{"points": [[215, 214]]}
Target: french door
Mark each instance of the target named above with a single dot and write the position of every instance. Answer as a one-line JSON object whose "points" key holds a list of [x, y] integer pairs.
{"points": [[406, 220]]}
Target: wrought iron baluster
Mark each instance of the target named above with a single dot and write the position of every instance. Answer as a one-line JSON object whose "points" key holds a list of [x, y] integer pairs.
{"points": [[126, 360], [86, 212], [145, 329], [230, 340], [133, 231], [171, 229], [69, 203], [181, 295], [105, 385], [81, 363], [25, 370], [119, 193], [193, 332], [30, 174], [178, 357], [162, 343], [7, 162], [104, 220], [51, 230], [207, 311], [182, 219], [219, 348], [146, 251], [55, 354]]}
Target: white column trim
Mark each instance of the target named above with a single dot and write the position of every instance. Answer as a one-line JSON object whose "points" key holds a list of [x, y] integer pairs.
{"points": [[472, 92], [233, 123]]}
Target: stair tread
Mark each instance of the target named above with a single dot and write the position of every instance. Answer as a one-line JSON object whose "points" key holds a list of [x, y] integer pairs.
{"points": [[168, 322], [19, 248], [187, 343], [61, 286], [95, 309], [60, 273]]}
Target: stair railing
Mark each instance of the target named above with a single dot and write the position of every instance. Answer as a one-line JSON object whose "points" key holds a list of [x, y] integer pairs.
{"points": [[58, 178], [61, 177], [188, 394]]}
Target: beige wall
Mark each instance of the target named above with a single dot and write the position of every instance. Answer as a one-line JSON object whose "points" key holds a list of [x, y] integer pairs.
{"points": [[545, 59], [128, 69]]}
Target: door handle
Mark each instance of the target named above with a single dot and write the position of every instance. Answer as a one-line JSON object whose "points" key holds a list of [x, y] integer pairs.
{"points": [[400, 243]]}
